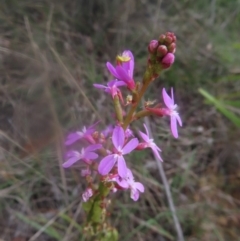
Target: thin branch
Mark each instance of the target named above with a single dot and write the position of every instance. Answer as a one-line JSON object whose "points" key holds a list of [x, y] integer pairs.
{"points": [[167, 189]]}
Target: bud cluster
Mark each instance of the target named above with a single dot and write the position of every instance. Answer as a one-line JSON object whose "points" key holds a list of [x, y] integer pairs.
{"points": [[162, 50]]}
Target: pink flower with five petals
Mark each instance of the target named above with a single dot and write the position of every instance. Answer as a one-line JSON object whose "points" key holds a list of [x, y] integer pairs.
{"points": [[86, 154], [121, 149]]}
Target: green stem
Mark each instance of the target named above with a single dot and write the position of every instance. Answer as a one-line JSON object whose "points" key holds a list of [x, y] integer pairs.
{"points": [[141, 114], [129, 116], [118, 108]]}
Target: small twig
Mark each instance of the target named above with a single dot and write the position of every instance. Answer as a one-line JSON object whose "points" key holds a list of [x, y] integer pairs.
{"points": [[167, 189]]}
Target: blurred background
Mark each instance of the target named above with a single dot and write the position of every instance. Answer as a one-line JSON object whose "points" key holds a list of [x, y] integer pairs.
{"points": [[51, 53]]}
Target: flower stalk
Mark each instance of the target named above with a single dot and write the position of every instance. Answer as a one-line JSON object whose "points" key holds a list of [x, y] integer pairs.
{"points": [[104, 153]]}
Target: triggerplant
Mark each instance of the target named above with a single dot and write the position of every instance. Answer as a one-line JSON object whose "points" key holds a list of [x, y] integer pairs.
{"points": [[104, 153]]}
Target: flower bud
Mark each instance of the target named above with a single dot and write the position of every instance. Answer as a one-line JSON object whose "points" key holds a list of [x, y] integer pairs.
{"points": [[162, 50], [172, 48], [162, 38], [168, 60], [170, 38], [152, 47]]}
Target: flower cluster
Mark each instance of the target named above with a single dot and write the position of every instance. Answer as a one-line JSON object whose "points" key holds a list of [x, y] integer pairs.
{"points": [[163, 49], [105, 152]]}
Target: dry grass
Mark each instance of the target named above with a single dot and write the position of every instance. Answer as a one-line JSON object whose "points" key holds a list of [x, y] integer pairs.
{"points": [[51, 53]]}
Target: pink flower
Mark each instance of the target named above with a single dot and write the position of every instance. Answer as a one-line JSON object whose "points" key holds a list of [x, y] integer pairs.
{"points": [[84, 133], [129, 183], [171, 111], [124, 72], [87, 194], [118, 139], [148, 142], [112, 87], [86, 154]]}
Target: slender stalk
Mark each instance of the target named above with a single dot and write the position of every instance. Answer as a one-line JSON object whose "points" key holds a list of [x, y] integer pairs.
{"points": [[129, 116], [118, 108], [142, 114], [168, 191]]}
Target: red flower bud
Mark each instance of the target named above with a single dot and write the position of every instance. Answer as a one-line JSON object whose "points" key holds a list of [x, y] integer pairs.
{"points": [[152, 47], [162, 50], [172, 48], [168, 60], [170, 38], [162, 38]]}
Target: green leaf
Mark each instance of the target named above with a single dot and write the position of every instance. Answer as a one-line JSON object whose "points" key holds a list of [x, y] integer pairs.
{"points": [[220, 106], [48, 230], [234, 103]]}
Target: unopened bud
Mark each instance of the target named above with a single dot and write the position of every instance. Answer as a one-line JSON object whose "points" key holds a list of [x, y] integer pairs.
{"points": [[162, 50], [170, 38], [162, 38], [168, 60], [152, 47], [172, 48]]}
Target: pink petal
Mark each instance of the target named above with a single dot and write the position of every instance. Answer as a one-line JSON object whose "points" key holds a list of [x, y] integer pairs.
{"points": [[179, 120], [106, 164], [122, 167], [93, 147], [118, 137], [91, 155], [167, 100], [72, 138], [144, 136], [155, 151], [174, 126], [100, 86], [131, 145], [123, 183], [134, 194], [112, 70], [129, 65], [111, 83], [70, 161], [129, 174], [123, 74], [120, 83], [139, 186]]}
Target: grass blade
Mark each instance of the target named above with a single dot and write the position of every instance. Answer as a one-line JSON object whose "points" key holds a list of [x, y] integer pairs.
{"points": [[220, 106]]}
